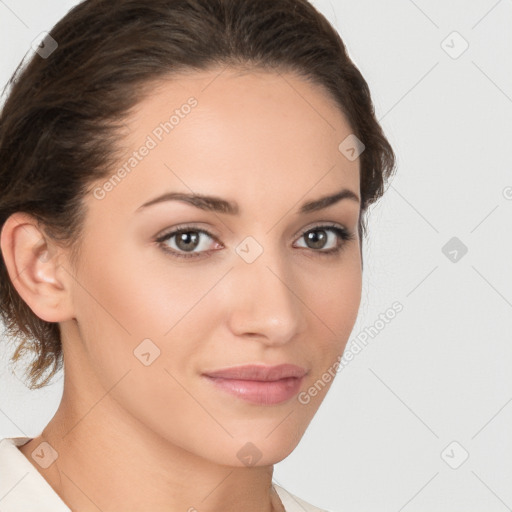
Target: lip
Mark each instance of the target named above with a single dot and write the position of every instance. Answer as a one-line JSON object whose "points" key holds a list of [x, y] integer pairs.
{"points": [[259, 372], [259, 384]]}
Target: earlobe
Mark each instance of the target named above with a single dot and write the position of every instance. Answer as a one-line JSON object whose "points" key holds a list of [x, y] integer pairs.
{"points": [[34, 266]]}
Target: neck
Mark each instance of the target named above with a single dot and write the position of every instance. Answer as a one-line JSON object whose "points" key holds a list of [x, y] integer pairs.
{"points": [[108, 460]]}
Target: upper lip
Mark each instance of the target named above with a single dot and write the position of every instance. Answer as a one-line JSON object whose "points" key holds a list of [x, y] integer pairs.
{"points": [[259, 372]]}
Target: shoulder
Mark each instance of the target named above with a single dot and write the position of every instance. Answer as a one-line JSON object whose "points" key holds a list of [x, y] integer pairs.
{"points": [[22, 487], [293, 503]]}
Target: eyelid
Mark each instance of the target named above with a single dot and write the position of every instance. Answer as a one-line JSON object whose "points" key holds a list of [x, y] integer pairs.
{"points": [[194, 227], [322, 224], [186, 227]]}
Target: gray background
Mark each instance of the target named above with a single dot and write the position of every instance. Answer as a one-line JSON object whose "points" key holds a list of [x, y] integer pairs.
{"points": [[440, 371]]}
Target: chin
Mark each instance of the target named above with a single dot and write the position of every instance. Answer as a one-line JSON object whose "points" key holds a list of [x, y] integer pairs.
{"points": [[260, 449]]}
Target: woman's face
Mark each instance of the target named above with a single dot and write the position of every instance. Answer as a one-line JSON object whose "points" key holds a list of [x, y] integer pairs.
{"points": [[255, 285]]}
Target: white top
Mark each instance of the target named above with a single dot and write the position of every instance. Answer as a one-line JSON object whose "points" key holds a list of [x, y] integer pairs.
{"points": [[24, 489]]}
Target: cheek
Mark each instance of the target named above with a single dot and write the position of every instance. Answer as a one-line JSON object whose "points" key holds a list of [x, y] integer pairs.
{"points": [[340, 301], [333, 295], [135, 307], [140, 328], [136, 291], [333, 299]]}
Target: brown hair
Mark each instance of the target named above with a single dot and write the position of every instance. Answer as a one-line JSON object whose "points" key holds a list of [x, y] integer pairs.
{"points": [[61, 120]]}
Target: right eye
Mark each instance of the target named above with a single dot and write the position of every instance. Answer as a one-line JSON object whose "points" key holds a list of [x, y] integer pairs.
{"points": [[184, 241]]}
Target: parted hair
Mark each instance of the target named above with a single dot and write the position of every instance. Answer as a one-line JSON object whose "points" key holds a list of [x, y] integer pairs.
{"points": [[63, 112]]}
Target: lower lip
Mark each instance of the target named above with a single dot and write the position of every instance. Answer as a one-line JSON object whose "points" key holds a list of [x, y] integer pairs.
{"points": [[259, 392]]}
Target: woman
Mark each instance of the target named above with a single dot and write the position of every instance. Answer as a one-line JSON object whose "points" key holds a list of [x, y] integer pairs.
{"points": [[183, 194]]}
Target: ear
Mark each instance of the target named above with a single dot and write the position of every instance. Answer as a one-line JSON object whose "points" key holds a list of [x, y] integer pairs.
{"points": [[34, 264]]}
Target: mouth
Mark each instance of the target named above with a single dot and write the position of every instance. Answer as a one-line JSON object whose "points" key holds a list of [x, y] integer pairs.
{"points": [[259, 384]]}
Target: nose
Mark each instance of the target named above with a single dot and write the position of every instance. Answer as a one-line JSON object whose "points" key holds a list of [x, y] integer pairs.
{"points": [[265, 301]]}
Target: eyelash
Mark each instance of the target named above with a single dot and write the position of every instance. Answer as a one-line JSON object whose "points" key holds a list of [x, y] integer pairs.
{"points": [[341, 233]]}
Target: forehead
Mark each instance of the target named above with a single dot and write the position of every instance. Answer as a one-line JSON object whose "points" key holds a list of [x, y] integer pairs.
{"points": [[251, 135]]}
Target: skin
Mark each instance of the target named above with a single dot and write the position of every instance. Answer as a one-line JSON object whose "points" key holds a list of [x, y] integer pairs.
{"points": [[158, 437]]}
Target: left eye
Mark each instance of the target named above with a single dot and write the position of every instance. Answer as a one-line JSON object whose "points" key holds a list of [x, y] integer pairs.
{"points": [[189, 238], [320, 241]]}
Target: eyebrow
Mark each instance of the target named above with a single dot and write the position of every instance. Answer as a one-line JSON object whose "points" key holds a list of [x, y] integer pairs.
{"points": [[217, 204]]}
